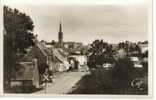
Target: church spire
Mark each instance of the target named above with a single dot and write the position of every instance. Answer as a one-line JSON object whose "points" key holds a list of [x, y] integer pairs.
{"points": [[60, 36], [60, 29]]}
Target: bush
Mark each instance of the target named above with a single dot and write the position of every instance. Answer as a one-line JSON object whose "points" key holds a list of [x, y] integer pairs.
{"points": [[122, 72]]}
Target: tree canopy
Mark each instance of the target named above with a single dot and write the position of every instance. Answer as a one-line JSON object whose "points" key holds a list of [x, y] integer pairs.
{"points": [[102, 52], [18, 27], [18, 36]]}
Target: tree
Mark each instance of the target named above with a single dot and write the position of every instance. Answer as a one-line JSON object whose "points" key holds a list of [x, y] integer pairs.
{"points": [[123, 72], [18, 27], [102, 52], [124, 45], [18, 36]]}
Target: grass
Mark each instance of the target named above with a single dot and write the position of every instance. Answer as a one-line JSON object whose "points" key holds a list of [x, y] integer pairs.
{"points": [[100, 81]]}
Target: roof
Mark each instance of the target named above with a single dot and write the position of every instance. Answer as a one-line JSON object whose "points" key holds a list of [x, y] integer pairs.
{"points": [[58, 55], [134, 58], [41, 47], [56, 52], [62, 52]]}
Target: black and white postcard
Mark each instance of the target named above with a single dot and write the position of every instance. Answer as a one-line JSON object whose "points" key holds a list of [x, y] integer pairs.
{"points": [[72, 48]]}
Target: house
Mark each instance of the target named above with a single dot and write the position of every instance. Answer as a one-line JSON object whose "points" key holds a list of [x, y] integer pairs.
{"points": [[59, 61], [52, 59], [137, 62], [82, 62], [115, 46], [72, 44], [143, 47]]}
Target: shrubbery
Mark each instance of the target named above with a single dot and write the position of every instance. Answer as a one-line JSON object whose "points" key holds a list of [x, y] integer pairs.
{"points": [[116, 80]]}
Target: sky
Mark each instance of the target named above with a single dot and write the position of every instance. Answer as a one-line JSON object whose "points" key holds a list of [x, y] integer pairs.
{"points": [[111, 20]]}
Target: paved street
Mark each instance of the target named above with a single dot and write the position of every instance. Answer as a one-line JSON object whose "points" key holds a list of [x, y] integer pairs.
{"points": [[63, 83]]}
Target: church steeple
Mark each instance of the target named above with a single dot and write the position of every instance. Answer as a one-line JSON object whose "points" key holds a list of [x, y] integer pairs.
{"points": [[60, 36], [60, 29]]}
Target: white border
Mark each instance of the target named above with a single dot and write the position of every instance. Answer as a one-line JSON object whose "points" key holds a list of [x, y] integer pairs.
{"points": [[1, 49], [81, 2]]}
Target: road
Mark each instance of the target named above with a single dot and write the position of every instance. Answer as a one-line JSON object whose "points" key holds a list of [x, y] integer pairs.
{"points": [[62, 83]]}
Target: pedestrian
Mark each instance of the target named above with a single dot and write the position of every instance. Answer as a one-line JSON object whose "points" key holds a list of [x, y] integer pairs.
{"points": [[72, 64]]}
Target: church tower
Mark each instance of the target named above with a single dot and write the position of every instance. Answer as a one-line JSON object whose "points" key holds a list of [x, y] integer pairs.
{"points": [[60, 36]]}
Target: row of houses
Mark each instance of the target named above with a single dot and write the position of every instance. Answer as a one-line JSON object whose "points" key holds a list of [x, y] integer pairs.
{"points": [[137, 52], [140, 56], [40, 58], [51, 59]]}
